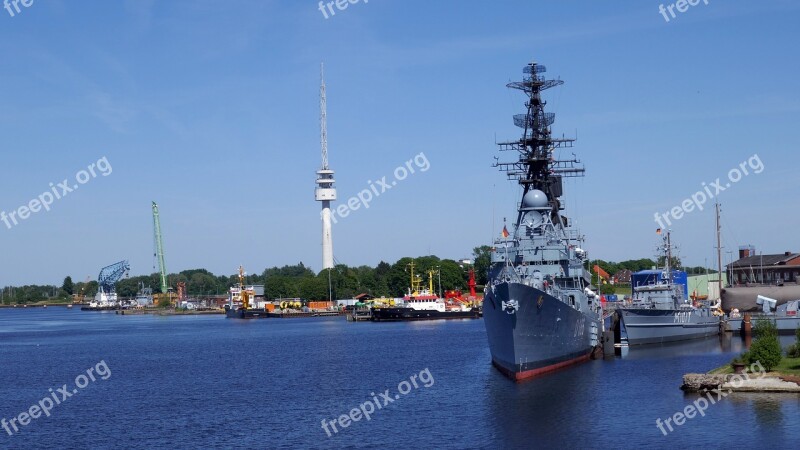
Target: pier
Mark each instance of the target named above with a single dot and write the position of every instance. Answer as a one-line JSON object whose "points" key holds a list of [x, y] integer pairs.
{"points": [[360, 315]]}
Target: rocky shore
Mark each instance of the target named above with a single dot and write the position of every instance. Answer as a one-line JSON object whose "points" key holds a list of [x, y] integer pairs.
{"points": [[704, 382]]}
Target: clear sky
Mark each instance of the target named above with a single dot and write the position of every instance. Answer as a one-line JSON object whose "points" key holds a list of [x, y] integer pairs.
{"points": [[210, 108]]}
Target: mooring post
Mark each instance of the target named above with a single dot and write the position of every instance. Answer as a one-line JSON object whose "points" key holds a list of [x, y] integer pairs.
{"points": [[747, 327]]}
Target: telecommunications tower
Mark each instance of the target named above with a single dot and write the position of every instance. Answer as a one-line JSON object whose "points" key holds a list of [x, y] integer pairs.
{"points": [[325, 192]]}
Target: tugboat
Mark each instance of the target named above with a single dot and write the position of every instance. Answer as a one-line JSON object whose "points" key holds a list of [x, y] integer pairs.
{"points": [[660, 312], [423, 304], [241, 296], [540, 312]]}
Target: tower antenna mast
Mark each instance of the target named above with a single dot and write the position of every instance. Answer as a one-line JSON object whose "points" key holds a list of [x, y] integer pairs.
{"points": [[325, 191]]}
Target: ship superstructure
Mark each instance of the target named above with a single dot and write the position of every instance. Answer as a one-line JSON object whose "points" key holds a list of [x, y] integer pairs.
{"points": [[539, 309]]}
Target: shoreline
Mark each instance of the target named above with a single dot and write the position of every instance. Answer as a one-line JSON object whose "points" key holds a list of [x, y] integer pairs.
{"points": [[41, 305]]}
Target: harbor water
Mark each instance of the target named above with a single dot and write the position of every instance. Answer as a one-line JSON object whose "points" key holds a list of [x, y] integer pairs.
{"points": [[211, 382]]}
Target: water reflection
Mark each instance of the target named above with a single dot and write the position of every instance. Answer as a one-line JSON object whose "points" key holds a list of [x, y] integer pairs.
{"points": [[537, 412], [724, 343], [768, 417]]}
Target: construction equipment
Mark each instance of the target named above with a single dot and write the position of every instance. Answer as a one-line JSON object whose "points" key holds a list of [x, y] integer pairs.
{"points": [[107, 282], [245, 294], [159, 244], [181, 291], [78, 298], [166, 292]]}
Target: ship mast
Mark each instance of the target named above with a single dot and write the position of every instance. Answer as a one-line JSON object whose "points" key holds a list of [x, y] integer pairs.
{"points": [[537, 168], [719, 255], [668, 265]]}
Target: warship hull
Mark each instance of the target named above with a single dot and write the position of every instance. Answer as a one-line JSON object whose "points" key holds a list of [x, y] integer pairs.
{"points": [[656, 326], [542, 335], [402, 314]]}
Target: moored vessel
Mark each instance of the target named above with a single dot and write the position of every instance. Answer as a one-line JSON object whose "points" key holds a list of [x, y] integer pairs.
{"points": [[422, 304], [786, 317], [240, 300], [539, 310], [660, 311]]}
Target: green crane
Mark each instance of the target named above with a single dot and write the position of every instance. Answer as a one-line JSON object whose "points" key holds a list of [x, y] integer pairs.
{"points": [[159, 249]]}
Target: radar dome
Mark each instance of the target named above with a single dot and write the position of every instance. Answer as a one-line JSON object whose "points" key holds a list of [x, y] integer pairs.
{"points": [[534, 199]]}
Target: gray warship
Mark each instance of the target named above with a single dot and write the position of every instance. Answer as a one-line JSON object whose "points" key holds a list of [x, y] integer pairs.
{"points": [[659, 311], [539, 310]]}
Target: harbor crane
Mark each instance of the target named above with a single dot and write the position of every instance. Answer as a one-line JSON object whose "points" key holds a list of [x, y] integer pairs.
{"points": [[107, 282], [109, 275], [159, 244]]}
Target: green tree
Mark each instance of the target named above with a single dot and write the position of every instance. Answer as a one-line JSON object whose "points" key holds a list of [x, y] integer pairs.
{"points": [[607, 289], [67, 286], [399, 278], [766, 349], [483, 259], [453, 275], [314, 288]]}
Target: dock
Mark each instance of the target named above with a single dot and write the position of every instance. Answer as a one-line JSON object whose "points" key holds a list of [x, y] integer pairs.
{"points": [[299, 314], [168, 312], [360, 315]]}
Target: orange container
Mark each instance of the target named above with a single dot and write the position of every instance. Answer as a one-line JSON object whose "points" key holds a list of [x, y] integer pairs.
{"points": [[319, 305]]}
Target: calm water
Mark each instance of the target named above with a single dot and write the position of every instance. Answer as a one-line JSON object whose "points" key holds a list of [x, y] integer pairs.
{"points": [[200, 382]]}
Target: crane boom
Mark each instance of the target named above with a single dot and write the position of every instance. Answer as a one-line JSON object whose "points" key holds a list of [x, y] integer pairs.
{"points": [[159, 248], [109, 275]]}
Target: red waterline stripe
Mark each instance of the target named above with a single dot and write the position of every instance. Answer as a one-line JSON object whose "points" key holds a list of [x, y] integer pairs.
{"points": [[528, 374]]}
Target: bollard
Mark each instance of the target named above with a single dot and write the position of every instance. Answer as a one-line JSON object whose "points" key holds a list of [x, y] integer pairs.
{"points": [[747, 327]]}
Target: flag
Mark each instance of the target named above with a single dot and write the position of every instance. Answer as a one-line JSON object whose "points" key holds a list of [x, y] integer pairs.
{"points": [[601, 273], [505, 232], [658, 231]]}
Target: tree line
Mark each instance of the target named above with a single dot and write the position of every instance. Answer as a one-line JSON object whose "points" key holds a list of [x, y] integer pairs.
{"points": [[290, 281], [635, 265], [299, 281]]}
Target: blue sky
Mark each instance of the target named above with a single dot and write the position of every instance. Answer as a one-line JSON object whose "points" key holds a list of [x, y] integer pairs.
{"points": [[211, 109]]}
